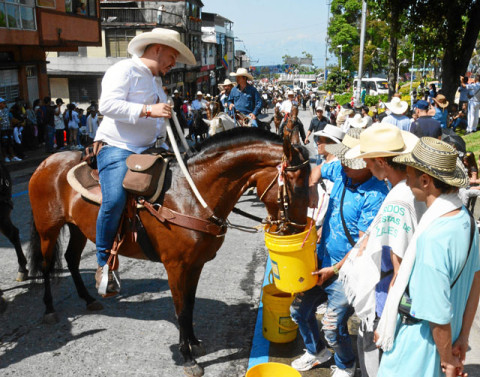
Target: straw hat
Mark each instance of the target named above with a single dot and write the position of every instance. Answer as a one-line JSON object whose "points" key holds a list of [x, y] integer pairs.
{"points": [[397, 106], [351, 140], [242, 72], [358, 122], [227, 82], [441, 101], [165, 37], [383, 140], [437, 159], [290, 93], [199, 93], [331, 132]]}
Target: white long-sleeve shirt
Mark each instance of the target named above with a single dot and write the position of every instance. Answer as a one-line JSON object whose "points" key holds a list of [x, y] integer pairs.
{"points": [[126, 87]]}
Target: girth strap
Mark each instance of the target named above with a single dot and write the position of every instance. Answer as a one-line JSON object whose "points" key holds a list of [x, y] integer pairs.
{"points": [[163, 214]]}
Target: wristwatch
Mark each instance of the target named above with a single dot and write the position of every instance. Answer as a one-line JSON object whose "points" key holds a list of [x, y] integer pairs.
{"points": [[148, 110]]}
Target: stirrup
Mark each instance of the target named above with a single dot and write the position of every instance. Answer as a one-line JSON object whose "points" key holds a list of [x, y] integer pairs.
{"points": [[109, 288]]}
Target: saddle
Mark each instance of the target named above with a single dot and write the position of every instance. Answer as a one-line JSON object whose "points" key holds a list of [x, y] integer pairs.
{"points": [[145, 177]]}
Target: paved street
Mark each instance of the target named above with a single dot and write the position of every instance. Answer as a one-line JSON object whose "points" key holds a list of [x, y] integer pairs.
{"points": [[136, 334]]}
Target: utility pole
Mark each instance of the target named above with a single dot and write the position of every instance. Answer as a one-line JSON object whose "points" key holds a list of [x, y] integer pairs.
{"points": [[362, 44], [326, 43]]}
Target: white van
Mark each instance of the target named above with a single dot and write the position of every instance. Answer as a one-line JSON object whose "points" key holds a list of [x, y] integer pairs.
{"points": [[374, 85]]}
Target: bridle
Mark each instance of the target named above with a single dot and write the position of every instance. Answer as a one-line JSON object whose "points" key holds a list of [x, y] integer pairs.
{"points": [[283, 198]]}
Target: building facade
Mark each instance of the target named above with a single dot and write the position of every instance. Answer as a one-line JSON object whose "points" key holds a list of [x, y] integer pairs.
{"points": [[76, 76], [30, 29]]}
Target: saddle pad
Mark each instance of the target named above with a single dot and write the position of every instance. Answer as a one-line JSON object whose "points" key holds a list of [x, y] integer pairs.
{"points": [[81, 180]]}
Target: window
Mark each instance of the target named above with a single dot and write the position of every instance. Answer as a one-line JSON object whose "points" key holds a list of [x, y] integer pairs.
{"points": [[210, 50], [117, 40], [17, 14], [9, 88], [82, 89]]}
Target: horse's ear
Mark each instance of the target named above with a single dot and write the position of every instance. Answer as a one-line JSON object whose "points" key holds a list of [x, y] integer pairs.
{"points": [[287, 148]]}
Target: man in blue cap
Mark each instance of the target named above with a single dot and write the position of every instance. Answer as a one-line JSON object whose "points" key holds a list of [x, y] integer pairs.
{"points": [[425, 125]]}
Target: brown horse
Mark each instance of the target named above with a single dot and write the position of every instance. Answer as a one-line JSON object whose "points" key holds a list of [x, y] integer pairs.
{"points": [[223, 168], [277, 119], [291, 129]]}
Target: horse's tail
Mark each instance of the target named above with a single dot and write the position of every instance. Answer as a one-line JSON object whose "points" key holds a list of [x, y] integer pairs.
{"points": [[37, 262]]}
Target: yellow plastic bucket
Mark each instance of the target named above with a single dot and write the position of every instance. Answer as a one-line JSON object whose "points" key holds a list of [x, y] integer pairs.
{"points": [[278, 327], [272, 370], [292, 264]]}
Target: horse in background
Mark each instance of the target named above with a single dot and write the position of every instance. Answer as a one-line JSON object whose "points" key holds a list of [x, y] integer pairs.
{"points": [[6, 226], [276, 119], [293, 127]]}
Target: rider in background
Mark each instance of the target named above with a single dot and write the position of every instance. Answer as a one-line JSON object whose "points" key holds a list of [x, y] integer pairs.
{"points": [[244, 97], [225, 89], [199, 103]]}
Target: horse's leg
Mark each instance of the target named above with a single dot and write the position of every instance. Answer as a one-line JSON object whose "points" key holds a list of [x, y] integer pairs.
{"points": [[13, 235], [183, 283], [73, 255]]}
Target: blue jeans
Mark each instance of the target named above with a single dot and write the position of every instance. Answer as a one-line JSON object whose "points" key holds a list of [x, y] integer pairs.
{"points": [[112, 168], [49, 139], [334, 322]]}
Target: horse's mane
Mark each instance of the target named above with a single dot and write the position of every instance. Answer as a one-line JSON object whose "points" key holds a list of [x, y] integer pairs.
{"points": [[239, 135]]}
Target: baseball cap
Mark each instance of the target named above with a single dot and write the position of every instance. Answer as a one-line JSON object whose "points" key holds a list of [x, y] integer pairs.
{"points": [[422, 105]]}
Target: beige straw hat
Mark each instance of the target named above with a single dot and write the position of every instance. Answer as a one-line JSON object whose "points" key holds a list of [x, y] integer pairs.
{"points": [[242, 72], [383, 140], [441, 101], [437, 159], [397, 106], [351, 140], [165, 37]]}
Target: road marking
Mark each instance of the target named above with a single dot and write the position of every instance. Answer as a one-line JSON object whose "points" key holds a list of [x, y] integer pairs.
{"points": [[260, 345], [20, 193]]}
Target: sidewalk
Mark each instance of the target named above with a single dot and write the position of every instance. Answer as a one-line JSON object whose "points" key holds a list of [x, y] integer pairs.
{"points": [[34, 158]]}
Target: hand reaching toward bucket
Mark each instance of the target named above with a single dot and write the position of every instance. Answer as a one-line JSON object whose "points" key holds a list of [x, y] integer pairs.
{"points": [[324, 274]]}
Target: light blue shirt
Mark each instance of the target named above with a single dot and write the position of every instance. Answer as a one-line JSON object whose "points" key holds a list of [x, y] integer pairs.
{"points": [[360, 206], [401, 121], [441, 254], [441, 116]]}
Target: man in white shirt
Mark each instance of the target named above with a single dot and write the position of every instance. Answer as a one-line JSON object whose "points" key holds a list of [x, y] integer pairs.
{"points": [[473, 102], [199, 103], [134, 106]]}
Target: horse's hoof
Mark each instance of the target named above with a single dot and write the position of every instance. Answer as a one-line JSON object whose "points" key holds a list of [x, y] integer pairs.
{"points": [[3, 304], [94, 306], [50, 319], [198, 350], [22, 276], [194, 370]]}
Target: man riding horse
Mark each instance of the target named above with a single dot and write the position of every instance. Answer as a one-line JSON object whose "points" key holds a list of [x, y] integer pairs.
{"points": [[244, 97], [286, 109], [134, 106]]}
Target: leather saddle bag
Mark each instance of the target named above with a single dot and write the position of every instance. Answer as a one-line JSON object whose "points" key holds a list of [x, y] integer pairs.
{"points": [[145, 175]]}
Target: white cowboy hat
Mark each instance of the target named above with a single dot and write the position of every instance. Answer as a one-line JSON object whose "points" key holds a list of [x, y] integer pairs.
{"points": [[397, 106], [228, 82], [170, 38], [331, 132], [199, 93], [383, 140], [242, 72], [290, 93], [175, 91], [358, 122]]}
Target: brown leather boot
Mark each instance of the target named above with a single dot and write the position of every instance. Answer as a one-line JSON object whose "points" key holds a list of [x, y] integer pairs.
{"points": [[112, 287]]}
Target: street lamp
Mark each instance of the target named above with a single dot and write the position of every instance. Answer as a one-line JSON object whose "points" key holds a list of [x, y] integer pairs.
{"points": [[403, 62], [341, 67]]}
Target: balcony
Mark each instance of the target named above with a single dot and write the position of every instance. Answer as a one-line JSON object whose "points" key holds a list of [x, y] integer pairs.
{"points": [[139, 16]]}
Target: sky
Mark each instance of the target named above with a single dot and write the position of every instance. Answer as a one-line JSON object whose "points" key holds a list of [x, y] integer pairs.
{"points": [[269, 29]]}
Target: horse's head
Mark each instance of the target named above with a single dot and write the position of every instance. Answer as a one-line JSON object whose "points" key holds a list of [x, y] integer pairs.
{"points": [[287, 203]]}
